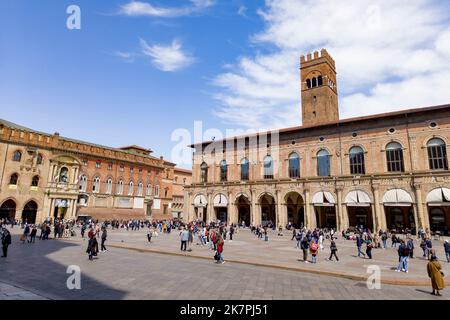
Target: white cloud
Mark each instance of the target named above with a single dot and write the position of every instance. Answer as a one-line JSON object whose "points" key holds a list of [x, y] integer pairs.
{"points": [[242, 11], [390, 55], [139, 8], [167, 58], [124, 56]]}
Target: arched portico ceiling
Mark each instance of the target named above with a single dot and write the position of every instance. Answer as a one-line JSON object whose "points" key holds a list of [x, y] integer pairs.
{"points": [[200, 201], [324, 199], [357, 198], [294, 196], [397, 197], [220, 200], [438, 197]]}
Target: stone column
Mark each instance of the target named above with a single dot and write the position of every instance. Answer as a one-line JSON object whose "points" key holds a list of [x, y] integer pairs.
{"points": [[380, 216], [374, 219], [421, 219], [339, 214], [74, 208], [230, 210], [210, 209], [307, 210], [279, 214], [254, 209]]}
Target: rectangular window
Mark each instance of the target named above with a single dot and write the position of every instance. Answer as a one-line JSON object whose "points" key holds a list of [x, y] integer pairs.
{"points": [[110, 166], [98, 164], [121, 168], [437, 156], [395, 160], [357, 163]]}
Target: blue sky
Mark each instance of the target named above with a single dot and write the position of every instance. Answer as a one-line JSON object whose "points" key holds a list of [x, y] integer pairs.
{"points": [[138, 70]]}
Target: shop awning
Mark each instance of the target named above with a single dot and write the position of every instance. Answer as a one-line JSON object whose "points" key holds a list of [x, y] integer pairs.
{"points": [[398, 198], [323, 199], [439, 197], [200, 201], [357, 199], [220, 200]]}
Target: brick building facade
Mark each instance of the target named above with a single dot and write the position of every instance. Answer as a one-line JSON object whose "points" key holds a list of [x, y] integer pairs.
{"points": [[386, 171], [44, 176]]}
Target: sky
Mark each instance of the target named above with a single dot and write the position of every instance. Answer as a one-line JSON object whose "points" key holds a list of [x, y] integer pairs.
{"points": [[141, 72]]}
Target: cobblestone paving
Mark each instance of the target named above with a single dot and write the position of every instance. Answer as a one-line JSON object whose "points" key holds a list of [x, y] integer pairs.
{"points": [[127, 274], [8, 292]]}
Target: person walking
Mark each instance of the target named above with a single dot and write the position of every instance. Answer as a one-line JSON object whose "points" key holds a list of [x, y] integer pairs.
{"points": [[305, 248], [410, 245], [447, 250], [220, 244], [104, 235], [149, 234], [429, 244], [369, 247], [33, 235], [436, 275], [231, 233], [184, 237], [6, 241], [359, 243], [384, 238], [314, 249], [333, 249], [25, 234], [403, 254]]}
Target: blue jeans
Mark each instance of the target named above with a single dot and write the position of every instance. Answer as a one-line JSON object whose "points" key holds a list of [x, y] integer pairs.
{"points": [[360, 252], [385, 244], [447, 254], [403, 265], [314, 259]]}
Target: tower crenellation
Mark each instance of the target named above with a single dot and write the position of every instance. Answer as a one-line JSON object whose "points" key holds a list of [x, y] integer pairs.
{"points": [[318, 87]]}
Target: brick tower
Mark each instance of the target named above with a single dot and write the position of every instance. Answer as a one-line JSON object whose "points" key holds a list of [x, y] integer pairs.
{"points": [[319, 90]]}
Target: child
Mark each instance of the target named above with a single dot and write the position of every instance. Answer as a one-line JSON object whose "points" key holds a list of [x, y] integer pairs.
{"points": [[313, 249]]}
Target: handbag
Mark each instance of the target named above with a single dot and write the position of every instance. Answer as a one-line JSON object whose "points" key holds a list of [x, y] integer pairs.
{"points": [[217, 256]]}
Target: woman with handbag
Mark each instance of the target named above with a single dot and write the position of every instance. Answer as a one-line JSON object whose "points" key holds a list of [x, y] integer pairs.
{"points": [[436, 275]]}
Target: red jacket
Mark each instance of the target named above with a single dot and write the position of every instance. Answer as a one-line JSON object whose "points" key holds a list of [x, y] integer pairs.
{"points": [[220, 247]]}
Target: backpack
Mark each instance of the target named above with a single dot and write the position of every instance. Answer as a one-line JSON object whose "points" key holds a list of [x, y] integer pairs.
{"points": [[217, 256], [314, 247]]}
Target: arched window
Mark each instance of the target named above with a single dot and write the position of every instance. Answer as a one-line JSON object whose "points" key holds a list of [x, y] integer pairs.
{"points": [[140, 189], [245, 169], [319, 81], [308, 83], [314, 82], [223, 171], [64, 175], [96, 185], [17, 156], [268, 167], [39, 159], [323, 163], [120, 187], [437, 154], [156, 191], [83, 183], [356, 155], [294, 165], [109, 184], [166, 192], [13, 179], [394, 157], [149, 190], [130, 188], [35, 181], [204, 172]]}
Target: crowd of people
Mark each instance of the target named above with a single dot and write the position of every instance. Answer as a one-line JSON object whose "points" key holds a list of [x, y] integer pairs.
{"points": [[214, 235]]}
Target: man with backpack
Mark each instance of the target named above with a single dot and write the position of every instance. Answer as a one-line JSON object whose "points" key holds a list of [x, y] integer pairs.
{"points": [[305, 248]]}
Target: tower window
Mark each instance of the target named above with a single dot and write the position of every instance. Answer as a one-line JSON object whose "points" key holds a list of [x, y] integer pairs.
{"points": [[314, 82], [320, 81], [308, 83]]}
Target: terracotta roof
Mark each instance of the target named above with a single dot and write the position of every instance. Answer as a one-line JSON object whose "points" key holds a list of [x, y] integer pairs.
{"points": [[339, 122], [183, 170], [135, 147]]}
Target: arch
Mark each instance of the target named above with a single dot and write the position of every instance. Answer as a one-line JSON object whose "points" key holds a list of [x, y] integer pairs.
{"points": [[438, 196], [323, 199], [437, 154], [268, 167], [200, 200], [397, 197], [357, 198], [204, 172], [39, 159], [295, 209], [394, 157], [17, 156], [294, 165], [356, 158], [96, 185], [35, 181], [109, 184], [242, 195], [323, 163], [119, 190], [220, 200], [140, 189], [223, 170], [267, 204], [66, 160], [13, 179], [8, 209], [308, 83], [242, 202], [130, 188], [29, 212], [245, 169], [319, 81], [314, 82], [63, 175]]}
